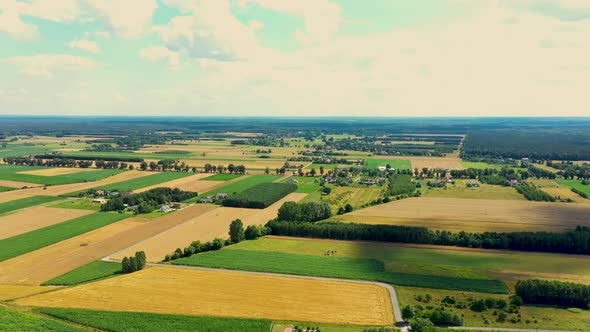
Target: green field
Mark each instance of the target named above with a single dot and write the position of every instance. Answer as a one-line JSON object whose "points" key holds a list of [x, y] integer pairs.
{"points": [[80, 204], [139, 183], [545, 317], [305, 184], [148, 322], [5, 189], [240, 185], [460, 190], [24, 243], [334, 267], [577, 184], [15, 321], [89, 272], [482, 165], [394, 163], [26, 202], [16, 150], [438, 262], [221, 177], [10, 172]]}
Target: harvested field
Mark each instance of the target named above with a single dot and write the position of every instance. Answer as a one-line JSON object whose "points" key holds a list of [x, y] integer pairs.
{"points": [[457, 214], [58, 171], [430, 162], [229, 294], [10, 292], [67, 188], [460, 190], [10, 196], [555, 189], [47, 263], [252, 163], [204, 227], [35, 218], [17, 184], [190, 183]]}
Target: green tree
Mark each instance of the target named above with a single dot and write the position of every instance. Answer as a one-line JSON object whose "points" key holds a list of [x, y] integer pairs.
{"points": [[347, 208], [422, 325], [408, 312], [141, 260], [236, 231]]}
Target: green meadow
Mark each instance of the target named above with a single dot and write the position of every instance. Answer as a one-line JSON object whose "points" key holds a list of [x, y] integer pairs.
{"points": [[394, 163], [240, 185], [575, 184], [26, 202]]}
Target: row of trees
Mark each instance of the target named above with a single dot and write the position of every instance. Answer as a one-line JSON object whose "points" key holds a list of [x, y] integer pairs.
{"points": [[566, 294], [572, 242], [147, 201], [532, 193], [57, 162], [308, 212], [231, 168]]}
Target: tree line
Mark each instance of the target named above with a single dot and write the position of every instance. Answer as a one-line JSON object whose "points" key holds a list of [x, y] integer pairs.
{"points": [[133, 263], [147, 201], [308, 212], [566, 294], [576, 241]]}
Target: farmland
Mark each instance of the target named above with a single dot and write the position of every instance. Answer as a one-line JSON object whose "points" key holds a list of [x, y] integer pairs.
{"points": [[460, 190], [50, 176], [25, 203], [34, 218], [393, 163], [159, 290], [479, 215], [243, 183], [27, 242], [260, 196], [577, 184], [142, 182], [89, 272], [212, 222], [12, 320]]}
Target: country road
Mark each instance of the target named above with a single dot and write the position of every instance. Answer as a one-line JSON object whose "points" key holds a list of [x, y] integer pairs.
{"points": [[504, 329]]}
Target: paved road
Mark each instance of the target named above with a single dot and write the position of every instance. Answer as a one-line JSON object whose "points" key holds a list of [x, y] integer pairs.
{"points": [[394, 302]]}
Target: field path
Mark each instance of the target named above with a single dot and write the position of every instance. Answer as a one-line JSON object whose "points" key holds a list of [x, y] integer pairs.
{"points": [[507, 329]]}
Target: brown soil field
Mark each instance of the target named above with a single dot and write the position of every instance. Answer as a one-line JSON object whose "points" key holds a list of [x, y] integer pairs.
{"points": [[58, 171], [204, 227], [34, 218], [189, 183], [475, 215], [17, 184], [251, 164], [430, 162], [68, 188], [47, 263], [10, 292], [229, 294], [8, 196]]}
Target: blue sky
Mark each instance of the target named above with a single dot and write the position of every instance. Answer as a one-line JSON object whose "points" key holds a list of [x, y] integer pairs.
{"points": [[295, 57]]}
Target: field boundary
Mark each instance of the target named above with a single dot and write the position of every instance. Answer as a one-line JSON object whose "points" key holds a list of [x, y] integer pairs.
{"points": [[397, 315]]}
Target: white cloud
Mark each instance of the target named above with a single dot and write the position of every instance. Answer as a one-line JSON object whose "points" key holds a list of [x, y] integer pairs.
{"points": [[47, 65], [129, 18], [255, 25], [11, 24], [85, 45], [322, 18], [159, 53]]}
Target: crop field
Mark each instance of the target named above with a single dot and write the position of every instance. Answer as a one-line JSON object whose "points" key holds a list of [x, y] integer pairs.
{"points": [[77, 203], [305, 184], [553, 188], [479, 215], [221, 177], [482, 165], [243, 183], [538, 317], [260, 196], [141, 182], [5, 188], [448, 162], [89, 272], [333, 267], [121, 321], [12, 320], [460, 190], [39, 266], [42, 237], [212, 222], [193, 183], [577, 184], [17, 184], [10, 292], [227, 294], [6, 196], [68, 188], [340, 196], [22, 174], [396, 164], [436, 260], [57, 171], [26, 202], [34, 218]]}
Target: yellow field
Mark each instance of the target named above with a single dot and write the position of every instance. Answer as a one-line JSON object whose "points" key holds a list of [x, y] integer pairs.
{"points": [[58, 171], [17, 184], [68, 188], [204, 227], [8, 196], [475, 215], [34, 218], [189, 183], [229, 294], [250, 164], [484, 191], [46, 263], [555, 189], [10, 292]]}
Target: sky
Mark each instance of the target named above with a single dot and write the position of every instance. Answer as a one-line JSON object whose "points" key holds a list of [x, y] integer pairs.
{"points": [[295, 57]]}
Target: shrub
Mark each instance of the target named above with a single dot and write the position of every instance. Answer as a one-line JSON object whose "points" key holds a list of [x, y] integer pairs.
{"points": [[408, 312], [422, 325], [478, 306]]}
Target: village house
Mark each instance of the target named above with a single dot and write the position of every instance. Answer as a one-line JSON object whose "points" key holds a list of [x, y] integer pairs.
{"points": [[99, 201], [100, 192], [293, 180], [165, 208]]}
